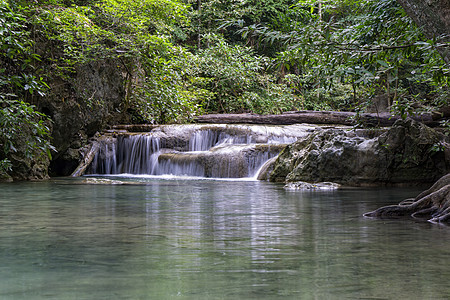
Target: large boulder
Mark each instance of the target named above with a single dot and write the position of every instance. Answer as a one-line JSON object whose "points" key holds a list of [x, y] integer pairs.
{"points": [[408, 153], [79, 106]]}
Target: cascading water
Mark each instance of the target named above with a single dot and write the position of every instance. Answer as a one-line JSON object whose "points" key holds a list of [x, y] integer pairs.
{"points": [[214, 151]]}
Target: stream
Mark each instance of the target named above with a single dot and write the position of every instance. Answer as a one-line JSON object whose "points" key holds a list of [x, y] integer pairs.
{"points": [[177, 212], [187, 238]]}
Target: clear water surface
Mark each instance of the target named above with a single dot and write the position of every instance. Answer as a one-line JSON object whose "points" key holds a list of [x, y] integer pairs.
{"points": [[207, 239]]}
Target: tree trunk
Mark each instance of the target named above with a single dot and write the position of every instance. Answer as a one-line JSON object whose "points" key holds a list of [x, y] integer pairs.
{"points": [[434, 17], [314, 117], [87, 159], [199, 36]]}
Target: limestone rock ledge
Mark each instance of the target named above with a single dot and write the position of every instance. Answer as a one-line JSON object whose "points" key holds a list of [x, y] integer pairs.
{"points": [[407, 153]]}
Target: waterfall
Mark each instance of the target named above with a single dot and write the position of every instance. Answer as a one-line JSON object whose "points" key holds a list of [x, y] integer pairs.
{"points": [[213, 151]]}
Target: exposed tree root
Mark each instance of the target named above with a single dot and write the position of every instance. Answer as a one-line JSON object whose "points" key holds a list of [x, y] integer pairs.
{"points": [[432, 205]]}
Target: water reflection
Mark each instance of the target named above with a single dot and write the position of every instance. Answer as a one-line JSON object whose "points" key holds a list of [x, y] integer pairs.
{"points": [[212, 240]]}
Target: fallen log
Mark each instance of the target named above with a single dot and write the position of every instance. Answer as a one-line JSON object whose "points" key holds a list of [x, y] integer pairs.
{"points": [[87, 159], [314, 117]]}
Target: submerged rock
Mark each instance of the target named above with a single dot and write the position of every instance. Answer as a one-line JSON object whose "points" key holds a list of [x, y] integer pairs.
{"points": [[101, 181], [266, 169], [301, 185], [409, 152]]}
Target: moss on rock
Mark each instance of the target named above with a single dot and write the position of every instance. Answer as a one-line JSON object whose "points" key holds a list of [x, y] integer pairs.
{"points": [[409, 152]]}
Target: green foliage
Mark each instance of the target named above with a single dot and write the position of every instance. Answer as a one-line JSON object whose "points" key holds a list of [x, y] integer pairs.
{"points": [[17, 72], [158, 73], [371, 45], [142, 17], [165, 91], [182, 58], [237, 79], [137, 35], [24, 135], [23, 131], [328, 55], [224, 17]]}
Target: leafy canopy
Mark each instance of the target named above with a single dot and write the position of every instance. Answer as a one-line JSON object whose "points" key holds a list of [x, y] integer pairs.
{"points": [[370, 46]]}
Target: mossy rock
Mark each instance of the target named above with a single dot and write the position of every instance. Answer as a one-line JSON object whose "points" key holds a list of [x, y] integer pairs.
{"points": [[407, 153]]}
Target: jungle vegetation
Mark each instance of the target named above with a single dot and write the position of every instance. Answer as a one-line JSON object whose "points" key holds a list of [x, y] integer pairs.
{"points": [[182, 58]]}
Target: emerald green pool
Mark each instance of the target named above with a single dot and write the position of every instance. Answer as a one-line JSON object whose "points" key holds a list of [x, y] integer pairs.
{"points": [[208, 239]]}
